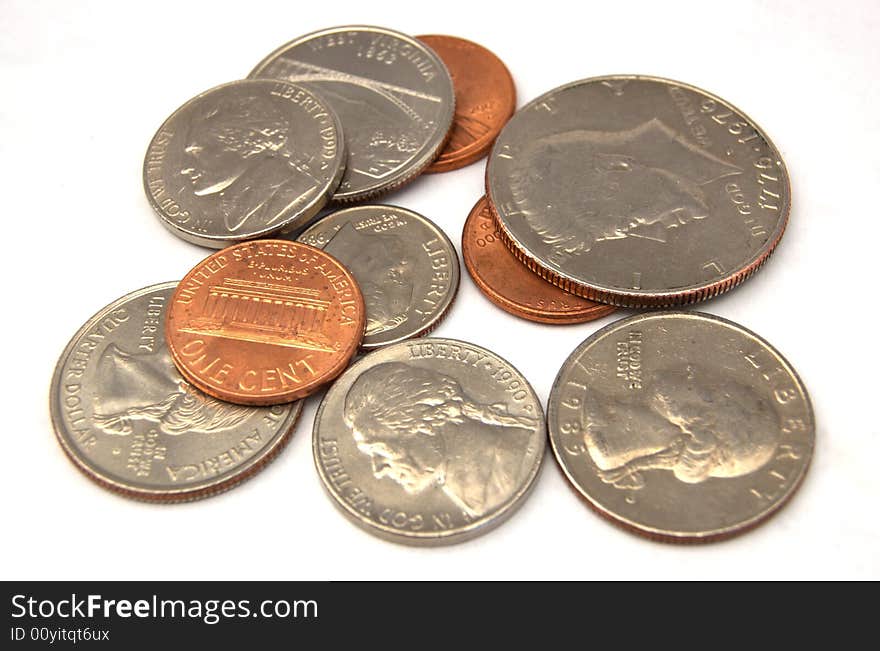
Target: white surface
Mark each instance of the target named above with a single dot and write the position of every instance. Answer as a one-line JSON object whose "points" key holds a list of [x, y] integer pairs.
{"points": [[86, 85]]}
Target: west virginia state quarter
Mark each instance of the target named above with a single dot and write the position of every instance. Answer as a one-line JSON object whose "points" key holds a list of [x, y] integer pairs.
{"points": [[430, 441], [392, 94], [129, 421], [637, 191], [681, 426], [405, 265], [244, 160]]}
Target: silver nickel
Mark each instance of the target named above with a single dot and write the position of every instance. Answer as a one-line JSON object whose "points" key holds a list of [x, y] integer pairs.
{"points": [[244, 160], [429, 442], [638, 191], [405, 265], [681, 426], [393, 95], [130, 422]]}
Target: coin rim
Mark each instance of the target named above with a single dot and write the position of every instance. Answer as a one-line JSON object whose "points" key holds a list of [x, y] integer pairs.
{"points": [[621, 297], [295, 221], [570, 317], [407, 173], [454, 284], [653, 532], [448, 162], [447, 536], [280, 397], [156, 495]]}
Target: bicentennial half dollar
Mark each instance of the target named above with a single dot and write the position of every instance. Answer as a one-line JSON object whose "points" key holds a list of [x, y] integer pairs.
{"points": [[405, 265], [392, 93], [638, 191], [429, 441], [132, 423], [681, 426], [244, 160]]}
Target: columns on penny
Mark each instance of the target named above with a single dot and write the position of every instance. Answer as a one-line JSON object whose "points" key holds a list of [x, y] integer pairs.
{"points": [[243, 304]]}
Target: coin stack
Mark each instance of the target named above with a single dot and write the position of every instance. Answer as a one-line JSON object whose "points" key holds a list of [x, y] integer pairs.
{"points": [[617, 191]]}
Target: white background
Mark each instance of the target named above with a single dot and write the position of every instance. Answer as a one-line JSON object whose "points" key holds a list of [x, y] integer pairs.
{"points": [[85, 86]]}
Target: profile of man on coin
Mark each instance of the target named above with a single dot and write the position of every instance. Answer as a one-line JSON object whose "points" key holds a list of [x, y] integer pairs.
{"points": [[681, 426], [384, 271], [639, 183], [244, 160], [146, 386], [404, 264], [422, 430], [133, 424], [696, 423], [638, 191], [238, 151]]}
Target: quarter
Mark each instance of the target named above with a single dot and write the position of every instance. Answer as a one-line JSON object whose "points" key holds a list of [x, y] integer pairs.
{"points": [[681, 426], [392, 94], [133, 424]]}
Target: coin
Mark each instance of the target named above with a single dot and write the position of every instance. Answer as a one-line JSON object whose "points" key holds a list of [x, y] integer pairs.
{"points": [[404, 264], [244, 160], [130, 422], [681, 426], [392, 94], [430, 441], [505, 281], [485, 98], [638, 191], [265, 322]]}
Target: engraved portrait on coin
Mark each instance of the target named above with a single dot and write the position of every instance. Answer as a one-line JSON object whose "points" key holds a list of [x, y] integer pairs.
{"points": [[421, 430], [681, 426], [429, 441], [133, 424], [392, 93], [638, 191], [405, 265], [244, 160], [637, 183], [696, 424], [240, 150], [146, 386], [384, 269]]}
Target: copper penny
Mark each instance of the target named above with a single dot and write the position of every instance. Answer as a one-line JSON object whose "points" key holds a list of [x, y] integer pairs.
{"points": [[265, 322], [509, 284], [485, 98]]}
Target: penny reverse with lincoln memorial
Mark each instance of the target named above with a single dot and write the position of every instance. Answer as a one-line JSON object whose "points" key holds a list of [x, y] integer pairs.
{"points": [[265, 322]]}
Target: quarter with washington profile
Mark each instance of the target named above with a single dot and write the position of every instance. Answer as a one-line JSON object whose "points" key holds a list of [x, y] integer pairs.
{"points": [[134, 425], [681, 426]]}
